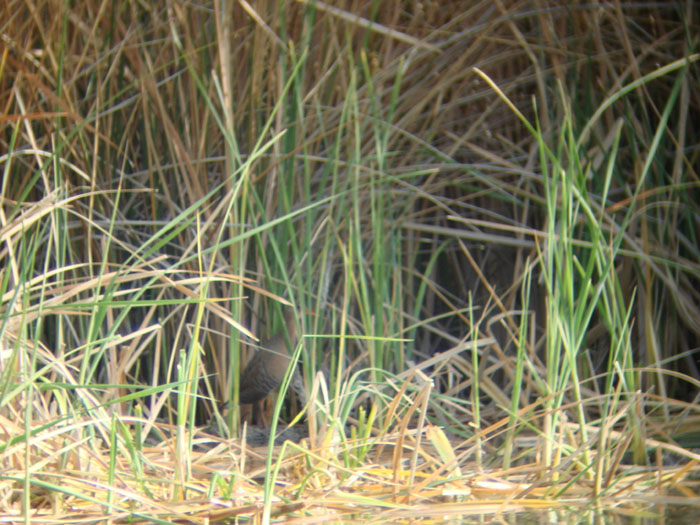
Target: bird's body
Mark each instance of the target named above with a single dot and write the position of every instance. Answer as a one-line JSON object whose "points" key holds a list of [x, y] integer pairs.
{"points": [[265, 371]]}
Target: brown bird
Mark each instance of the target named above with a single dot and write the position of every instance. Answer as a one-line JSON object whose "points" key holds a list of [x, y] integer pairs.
{"points": [[265, 371]]}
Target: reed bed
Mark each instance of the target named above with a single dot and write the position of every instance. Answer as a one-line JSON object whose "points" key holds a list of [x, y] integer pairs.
{"points": [[485, 213]]}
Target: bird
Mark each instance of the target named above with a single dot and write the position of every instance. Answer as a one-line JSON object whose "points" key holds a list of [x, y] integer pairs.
{"points": [[266, 370]]}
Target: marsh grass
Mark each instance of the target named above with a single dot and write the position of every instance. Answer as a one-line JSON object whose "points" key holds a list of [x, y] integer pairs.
{"points": [[485, 215]]}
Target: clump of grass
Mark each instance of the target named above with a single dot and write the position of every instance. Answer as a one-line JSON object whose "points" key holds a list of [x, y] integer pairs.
{"points": [[483, 214]]}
